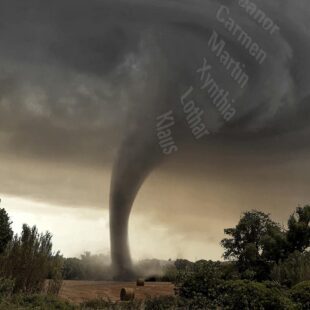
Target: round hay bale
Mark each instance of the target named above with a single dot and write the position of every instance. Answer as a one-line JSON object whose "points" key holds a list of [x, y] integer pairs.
{"points": [[140, 282], [127, 294]]}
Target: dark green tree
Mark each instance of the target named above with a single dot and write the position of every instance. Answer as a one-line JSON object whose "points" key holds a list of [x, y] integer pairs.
{"points": [[6, 232], [256, 243], [298, 234], [73, 269], [29, 260]]}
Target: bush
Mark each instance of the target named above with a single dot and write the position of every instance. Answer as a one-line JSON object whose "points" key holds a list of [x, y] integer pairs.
{"points": [[73, 269], [300, 293], [36, 301], [54, 283], [6, 287], [203, 281], [244, 294], [170, 274], [161, 303], [177, 303], [106, 304], [29, 260], [295, 269], [98, 303]]}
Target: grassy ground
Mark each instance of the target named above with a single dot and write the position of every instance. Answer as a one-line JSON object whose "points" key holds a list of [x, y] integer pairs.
{"points": [[81, 291]]}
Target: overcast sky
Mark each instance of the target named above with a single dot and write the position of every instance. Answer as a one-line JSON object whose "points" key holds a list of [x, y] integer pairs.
{"points": [[77, 77]]}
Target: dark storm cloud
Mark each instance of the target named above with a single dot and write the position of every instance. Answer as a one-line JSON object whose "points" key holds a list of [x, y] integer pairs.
{"points": [[64, 76], [70, 68]]}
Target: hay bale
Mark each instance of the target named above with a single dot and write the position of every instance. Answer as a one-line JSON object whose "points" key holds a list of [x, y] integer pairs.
{"points": [[140, 282], [127, 294]]}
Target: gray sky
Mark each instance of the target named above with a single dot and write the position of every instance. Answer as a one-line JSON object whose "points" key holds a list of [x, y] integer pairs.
{"points": [[78, 76]]}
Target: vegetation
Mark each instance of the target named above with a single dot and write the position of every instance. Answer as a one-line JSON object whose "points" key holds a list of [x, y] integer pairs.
{"points": [[258, 244], [6, 232], [298, 234], [87, 267], [266, 267], [295, 269], [300, 294], [28, 260]]}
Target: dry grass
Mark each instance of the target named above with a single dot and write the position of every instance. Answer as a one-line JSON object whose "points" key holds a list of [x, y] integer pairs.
{"points": [[80, 291]]}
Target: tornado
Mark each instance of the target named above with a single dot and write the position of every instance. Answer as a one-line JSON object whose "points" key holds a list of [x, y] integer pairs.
{"points": [[134, 161]]}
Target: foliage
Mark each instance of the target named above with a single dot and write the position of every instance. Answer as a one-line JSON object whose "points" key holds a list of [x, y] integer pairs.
{"points": [[160, 303], [170, 273], [204, 280], [6, 287], [155, 303], [35, 301], [256, 242], [6, 232], [205, 287], [72, 269], [244, 294], [298, 234], [183, 265], [230, 271], [109, 305], [54, 282], [300, 293], [28, 260], [295, 269], [88, 267]]}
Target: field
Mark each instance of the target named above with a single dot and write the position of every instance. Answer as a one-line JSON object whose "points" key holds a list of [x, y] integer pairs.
{"points": [[79, 291]]}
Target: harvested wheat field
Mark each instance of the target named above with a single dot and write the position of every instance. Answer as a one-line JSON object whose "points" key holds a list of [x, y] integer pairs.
{"points": [[79, 291]]}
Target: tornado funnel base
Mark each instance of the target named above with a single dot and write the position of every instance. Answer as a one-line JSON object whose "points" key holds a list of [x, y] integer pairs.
{"points": [[124, 274]]}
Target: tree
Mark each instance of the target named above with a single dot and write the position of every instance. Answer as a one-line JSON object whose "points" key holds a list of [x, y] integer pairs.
{"points": [[29, 260], [73, 269], [298, 234], [6, 232], [256, 243]]}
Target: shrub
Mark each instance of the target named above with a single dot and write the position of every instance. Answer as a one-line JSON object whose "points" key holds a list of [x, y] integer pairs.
{"points": [[29, 259], [73, 269], [203, 281], [244, 294], [170, 274], [161, 303], [54, 283], [230, 271], [295, 269], [300, 293], [6, 287], [107, 304], [178, 303], [98, 303], [36, 301]]}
